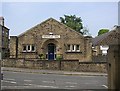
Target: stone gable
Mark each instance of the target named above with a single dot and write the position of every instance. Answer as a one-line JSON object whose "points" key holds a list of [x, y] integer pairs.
{"points": [[39, 36]]}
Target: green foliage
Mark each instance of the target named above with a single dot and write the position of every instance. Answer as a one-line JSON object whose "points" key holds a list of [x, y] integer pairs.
{"points": [[102, 31], [59, 57], [73, 22], [85, 31], [41, 56]]}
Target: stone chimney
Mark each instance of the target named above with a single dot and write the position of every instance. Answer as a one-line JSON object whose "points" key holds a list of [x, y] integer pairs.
{"points": [[2, 21]]}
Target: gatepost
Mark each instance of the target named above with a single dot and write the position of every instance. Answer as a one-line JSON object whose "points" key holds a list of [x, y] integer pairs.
{"points": [[114, 67]]}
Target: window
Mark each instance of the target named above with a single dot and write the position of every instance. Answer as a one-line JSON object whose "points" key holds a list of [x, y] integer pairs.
{"points": [[77, 47], [28, 48], [24, 48], [73, 47], [68, 48], [33, 48]]}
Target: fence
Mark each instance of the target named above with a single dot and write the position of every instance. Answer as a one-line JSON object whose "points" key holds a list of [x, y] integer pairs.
{"points": [[68, 65]]}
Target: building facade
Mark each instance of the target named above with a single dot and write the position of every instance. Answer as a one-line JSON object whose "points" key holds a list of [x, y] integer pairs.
{"points": [[4, 39], [51, 40]]}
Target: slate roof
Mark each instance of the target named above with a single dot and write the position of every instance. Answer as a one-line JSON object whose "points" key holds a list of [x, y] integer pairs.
{"points": [[110, 38]]}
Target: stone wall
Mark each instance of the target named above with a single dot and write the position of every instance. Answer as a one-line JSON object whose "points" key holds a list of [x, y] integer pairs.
{"points": [[92, 67], [13, 46], [68, 65], [99, 58]]}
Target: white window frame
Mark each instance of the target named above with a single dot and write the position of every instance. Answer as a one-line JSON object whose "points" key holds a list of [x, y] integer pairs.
{"points": [[69, 50], [30, 50], [34, 48], [73, 46], [23, 48], [27, 48]]}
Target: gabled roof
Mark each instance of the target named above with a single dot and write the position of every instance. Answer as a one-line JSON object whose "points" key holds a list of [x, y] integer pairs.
{"points": [[110, 38], [46, 21]]}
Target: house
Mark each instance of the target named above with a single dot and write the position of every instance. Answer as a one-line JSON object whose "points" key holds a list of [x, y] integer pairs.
{"points": [[112, 39], [50, 40], [4, 39], [100, 51]]}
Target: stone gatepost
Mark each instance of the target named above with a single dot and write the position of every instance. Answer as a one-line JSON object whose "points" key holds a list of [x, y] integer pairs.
{"points": [[113, 58]]}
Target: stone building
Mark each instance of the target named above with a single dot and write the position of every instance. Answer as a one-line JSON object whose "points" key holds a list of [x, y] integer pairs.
{"points": [[51, 40], [4, 39]]}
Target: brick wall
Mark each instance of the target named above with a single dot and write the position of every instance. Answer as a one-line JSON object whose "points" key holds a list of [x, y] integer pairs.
{"points": [[68, 65]]}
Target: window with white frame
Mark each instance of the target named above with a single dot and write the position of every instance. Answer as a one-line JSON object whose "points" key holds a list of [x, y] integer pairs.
{"points": [[24, 48], [77, 48], [69, 47], [28, 48], [73, 48], [33, 48]]}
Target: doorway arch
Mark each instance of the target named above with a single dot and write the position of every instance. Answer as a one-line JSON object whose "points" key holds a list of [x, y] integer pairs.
{"points": [[51, 51]]}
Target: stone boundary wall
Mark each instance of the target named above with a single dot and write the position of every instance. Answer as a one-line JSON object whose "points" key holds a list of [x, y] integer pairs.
{"points": [[67, 65], [99, 58]]}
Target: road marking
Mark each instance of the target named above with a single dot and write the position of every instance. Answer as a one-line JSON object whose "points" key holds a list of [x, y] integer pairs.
{"points": [[105, 86], [28, 84], [13, 82], [28, 80], [5, 81], [46, 86], [14, 87], [14, 72], [70, 86], [41, 86], [70, 82], [18, 87], [10, 82], [8, 79], [88, 76], [48, 81]]}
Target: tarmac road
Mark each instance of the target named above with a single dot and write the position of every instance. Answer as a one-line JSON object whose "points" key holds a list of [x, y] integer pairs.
{"points": [[33, 80]]}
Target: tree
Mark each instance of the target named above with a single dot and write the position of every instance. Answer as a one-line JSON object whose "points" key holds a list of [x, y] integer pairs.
{"points": [[73, 22], [102, 31], [85, 31]]}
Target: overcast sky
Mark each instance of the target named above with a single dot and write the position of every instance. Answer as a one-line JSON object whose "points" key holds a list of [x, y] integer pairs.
{"points": [[21, 16]]}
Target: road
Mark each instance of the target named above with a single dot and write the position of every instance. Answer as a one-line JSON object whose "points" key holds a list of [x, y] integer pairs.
{"points": [[23, 80]]}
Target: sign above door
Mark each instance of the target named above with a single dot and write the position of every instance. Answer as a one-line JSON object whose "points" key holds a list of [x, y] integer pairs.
{"points": [[51, 36]]}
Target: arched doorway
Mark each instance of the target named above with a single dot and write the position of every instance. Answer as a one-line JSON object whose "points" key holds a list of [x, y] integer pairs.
{"points": [[51, 51]]}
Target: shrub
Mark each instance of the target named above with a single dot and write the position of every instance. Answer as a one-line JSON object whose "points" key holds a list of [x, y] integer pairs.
{"points": [[59, 57], [41, 56]]}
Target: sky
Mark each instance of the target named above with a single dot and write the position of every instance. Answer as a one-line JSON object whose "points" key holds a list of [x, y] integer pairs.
{"points": [[21, 16]]}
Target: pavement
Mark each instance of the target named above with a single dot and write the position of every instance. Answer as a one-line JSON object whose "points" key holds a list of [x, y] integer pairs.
{"points": [[59, 72]]}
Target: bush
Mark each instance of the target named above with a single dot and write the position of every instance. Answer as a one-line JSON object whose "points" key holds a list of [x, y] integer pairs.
{"points": [[59, 57], [41, 56]]}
